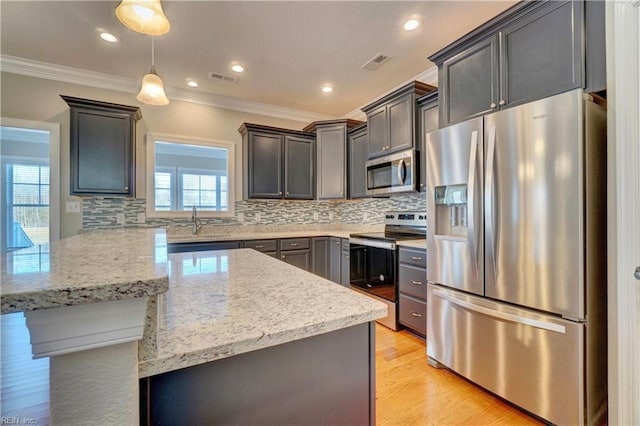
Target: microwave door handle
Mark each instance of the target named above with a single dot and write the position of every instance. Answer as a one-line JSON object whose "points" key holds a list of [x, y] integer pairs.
{"points": [[402, 171], [471, 213]]}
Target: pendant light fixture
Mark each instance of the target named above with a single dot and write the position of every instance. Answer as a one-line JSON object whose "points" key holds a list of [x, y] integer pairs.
{"points": [[143, 16], [152, 90]]}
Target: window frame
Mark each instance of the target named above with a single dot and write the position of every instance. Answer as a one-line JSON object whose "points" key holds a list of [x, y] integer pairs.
{"points": [[151, 139]]}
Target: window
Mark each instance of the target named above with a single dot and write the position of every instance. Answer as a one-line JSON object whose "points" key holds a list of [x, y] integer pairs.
{"points": [[187, 173]]}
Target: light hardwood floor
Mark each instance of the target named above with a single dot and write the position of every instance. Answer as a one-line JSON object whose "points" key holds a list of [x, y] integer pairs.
{"points": [[409, 391]]}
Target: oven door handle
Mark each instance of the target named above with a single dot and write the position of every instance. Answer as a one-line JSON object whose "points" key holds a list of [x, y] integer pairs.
{"points": [[373, 243]]}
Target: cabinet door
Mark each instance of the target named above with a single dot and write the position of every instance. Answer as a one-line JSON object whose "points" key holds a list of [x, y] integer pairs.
{"points": [[299, 258], [401, 121], [265, 165], [429, 119], [102, 155], [335, 260], [331, 147], [378, 131], [320, 256], [470, 82], [298, 168], [358, 152], [541, 53], [345, 263]]}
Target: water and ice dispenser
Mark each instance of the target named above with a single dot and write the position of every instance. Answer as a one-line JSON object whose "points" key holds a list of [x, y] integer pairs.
{"points": [[451, 210]]}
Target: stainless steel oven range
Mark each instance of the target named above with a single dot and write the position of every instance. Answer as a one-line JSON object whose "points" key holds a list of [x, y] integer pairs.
{"points": [[373, 259]]}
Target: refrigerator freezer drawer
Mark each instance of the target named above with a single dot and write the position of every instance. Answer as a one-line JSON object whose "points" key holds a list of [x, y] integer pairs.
{"points": [[532, 360]]}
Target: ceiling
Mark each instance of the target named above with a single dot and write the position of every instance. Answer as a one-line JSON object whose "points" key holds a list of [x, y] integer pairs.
{"points": [[290, 49]]}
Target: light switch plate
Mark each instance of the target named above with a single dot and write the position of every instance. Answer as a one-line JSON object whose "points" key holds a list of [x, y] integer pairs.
{"points": [[120, 218], [316, 215], [257, 216], [240, 217], [73, 207]]}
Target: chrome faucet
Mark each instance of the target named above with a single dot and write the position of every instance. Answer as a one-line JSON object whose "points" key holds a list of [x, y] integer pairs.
{"points": [[196, 222]]}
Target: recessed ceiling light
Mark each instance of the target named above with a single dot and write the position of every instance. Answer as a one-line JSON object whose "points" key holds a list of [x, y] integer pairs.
{"points": [[192, 83], [109, 37], [327, 89], [237, 68], [411, 24]]}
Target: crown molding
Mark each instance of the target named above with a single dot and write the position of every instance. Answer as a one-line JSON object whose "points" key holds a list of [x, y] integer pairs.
{"points": [[48, 71], [429, 76]]}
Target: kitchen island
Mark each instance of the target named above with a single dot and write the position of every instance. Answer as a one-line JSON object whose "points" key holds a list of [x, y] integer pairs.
{"points": [[238, 336]]}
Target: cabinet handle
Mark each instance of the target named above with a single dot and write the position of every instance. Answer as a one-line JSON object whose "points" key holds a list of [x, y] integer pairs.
{"points": [[287, 193], [493, 105], [416, 314], [259, 246], [126, 188], [342, 193], [416, 258], [346, 257], [282, 257], [416, 282], [502, 102], [294, 244]]}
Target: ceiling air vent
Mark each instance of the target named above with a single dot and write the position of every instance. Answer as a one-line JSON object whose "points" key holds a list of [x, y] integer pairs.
{"points": [[221, 77], [376, 61]]}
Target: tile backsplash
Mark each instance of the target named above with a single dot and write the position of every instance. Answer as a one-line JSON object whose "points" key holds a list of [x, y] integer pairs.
{"points": [[102, 212]]}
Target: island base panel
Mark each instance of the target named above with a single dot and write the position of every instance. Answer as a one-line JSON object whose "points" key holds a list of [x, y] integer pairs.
{"points": [[326, 379]]}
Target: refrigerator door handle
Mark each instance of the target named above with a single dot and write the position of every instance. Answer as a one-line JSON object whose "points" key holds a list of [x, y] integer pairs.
{"points": [[471, 213], [489, 197], [500, 315]]}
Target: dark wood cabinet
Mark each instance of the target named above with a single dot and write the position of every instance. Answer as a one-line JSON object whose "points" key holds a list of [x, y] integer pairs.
{"points": [[531, 51], [358, 153], [320, 256], [278, 163], [102, 142], [412, 289], [428, 114], [331, 155], [392, 120]]}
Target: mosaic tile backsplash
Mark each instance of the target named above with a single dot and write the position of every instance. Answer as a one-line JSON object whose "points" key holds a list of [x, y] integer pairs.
{"points": [[102, 212]]}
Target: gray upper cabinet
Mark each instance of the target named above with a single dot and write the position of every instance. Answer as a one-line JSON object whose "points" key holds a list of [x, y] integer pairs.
{"points": [[531, 51], [278, 163], [358, 153], [392, 121], [429, 121], [102, 145], [298, 156], [331, 157], [470, 82]]}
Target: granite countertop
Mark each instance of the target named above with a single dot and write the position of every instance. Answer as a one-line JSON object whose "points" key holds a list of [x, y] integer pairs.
{"points": [[93, 267], [227, 302]]}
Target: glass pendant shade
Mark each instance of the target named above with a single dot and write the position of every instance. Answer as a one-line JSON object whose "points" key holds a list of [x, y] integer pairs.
{"points": [[152, 90], [143, 16]]}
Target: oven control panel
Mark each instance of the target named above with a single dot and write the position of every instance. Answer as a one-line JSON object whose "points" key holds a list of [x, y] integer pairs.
{"points": [[406, 218]]}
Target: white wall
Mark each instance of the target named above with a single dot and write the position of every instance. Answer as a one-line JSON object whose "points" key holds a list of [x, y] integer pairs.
{"points": [[38, 99]]}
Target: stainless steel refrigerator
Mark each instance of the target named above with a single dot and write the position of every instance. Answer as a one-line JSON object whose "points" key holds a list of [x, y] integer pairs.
{"points": [[516, 255]]}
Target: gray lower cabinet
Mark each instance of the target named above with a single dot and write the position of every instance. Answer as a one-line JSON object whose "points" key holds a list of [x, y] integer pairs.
{"points": [[358, 154], [320, 256], [412, 288], [328, 379], [531, 51], [345, 265], [296, 252], [269, 247], [428, 114], [102, 145], [335, 260], [278, 163]]}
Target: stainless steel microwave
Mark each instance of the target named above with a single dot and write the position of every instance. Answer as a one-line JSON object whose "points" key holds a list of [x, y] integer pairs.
{"points": [[392, 173]]}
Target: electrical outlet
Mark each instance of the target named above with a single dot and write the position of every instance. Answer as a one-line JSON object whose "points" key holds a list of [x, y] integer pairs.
{"points": [[142, 218], [240, 217], [330, 215], [316, 215], [120, 218], [73, 207], [257, 216]]}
